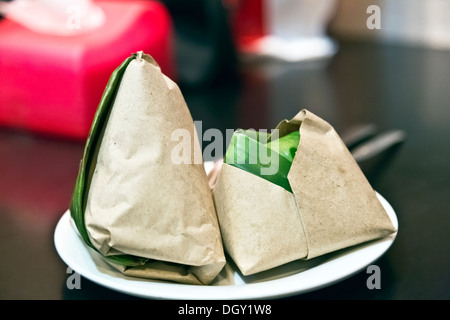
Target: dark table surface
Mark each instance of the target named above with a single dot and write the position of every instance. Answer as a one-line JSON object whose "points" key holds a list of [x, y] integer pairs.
{"points": [[390, 86]]}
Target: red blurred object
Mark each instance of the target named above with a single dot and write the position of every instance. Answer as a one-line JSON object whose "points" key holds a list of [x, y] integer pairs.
{"points": [[53, 84], [248, 20]]}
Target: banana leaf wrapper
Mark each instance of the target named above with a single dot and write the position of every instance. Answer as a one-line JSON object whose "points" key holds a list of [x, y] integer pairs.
{"points": [[251, 151], [330, 204], [144, 214]]}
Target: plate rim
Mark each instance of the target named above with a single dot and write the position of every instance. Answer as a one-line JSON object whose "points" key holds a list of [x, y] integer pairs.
{"points": [[279, 288]]}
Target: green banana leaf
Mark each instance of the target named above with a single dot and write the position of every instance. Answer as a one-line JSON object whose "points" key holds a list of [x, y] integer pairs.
{"points": [[249, 150], [87, 165], [287, 145]]}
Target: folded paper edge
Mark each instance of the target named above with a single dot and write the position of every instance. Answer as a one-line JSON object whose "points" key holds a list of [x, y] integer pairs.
{"points": [[249, 264]]}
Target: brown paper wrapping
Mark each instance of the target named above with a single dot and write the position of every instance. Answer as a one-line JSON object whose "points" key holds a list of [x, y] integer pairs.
{"points": [[332, 206], [140, 202]]}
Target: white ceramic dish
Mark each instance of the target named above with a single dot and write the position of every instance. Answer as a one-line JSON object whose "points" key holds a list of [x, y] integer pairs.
{"points": [[293, 278]]}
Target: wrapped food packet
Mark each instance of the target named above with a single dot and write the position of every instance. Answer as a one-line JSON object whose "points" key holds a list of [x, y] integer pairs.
{"points": [[325, 205], [146, 215]]}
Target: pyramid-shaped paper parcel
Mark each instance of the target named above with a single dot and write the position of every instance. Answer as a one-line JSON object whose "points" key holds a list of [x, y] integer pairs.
{"points": [[139, 202], [332, 206]]}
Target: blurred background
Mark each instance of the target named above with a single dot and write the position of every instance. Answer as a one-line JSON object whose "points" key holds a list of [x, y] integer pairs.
{"points": [[56, 56], [381, 65]]}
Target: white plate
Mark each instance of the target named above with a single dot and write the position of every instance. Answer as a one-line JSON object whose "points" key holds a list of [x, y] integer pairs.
{"points": [[290, 279]]}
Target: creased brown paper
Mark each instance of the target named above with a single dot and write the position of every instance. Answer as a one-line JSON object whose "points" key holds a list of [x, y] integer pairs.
{"points": [[142, 203], [332, 206]]}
